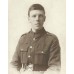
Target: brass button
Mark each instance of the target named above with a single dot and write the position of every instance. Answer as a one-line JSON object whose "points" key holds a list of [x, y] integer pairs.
{"points": [[30, 46], [29, 56], [42, 52], [22, 49], [34, 39]]}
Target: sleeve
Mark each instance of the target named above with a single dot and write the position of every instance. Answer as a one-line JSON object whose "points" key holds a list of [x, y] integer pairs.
{"points": [[54, 56], [16, 62]]}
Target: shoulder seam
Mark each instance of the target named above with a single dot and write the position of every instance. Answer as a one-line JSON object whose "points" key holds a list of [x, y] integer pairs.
{"points": [[24, 34], [51, 34]]}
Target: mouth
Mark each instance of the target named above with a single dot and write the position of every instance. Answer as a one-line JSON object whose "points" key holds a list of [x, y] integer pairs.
{"points": [[37, 23]]}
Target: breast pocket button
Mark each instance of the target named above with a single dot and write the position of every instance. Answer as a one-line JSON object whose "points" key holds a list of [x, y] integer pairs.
{"points": [[29, 56], [31, 47], [42, 52]]}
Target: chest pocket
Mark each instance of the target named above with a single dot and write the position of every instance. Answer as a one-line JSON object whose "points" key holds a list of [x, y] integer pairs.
{"points": [[24, 53], [41, 58]]}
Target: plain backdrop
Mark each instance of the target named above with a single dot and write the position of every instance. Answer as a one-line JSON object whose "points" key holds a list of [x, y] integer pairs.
{"points": [[55, 23]]}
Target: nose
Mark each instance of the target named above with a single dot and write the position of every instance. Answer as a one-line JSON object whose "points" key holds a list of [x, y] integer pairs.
{"points": [[37, 18]]}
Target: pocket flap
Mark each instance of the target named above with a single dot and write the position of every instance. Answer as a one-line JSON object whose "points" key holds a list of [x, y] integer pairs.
{"points": [[40, 52], [24, 47]]}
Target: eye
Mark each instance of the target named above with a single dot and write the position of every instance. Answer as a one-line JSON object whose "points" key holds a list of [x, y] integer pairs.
{"points": [[40, 15], [34, 16]]}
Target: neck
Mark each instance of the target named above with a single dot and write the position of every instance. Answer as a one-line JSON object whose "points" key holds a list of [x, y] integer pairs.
{"points": [[35, 30]]}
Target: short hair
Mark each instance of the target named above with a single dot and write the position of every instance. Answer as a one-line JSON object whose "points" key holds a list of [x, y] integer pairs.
{"points": [[36, 7]]}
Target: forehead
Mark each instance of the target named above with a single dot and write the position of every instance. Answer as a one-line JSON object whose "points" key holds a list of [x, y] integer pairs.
{"points": [[34, 12]]}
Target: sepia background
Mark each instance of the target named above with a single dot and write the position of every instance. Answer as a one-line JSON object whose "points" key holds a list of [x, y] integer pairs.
{"points": [[55, 23]]}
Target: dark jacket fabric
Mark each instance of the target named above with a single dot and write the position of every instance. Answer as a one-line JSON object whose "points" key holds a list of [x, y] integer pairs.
{"points": [[41, 49]]}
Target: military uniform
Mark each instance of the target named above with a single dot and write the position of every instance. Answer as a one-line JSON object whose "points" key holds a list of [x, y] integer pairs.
{"points": [[40, 49]]}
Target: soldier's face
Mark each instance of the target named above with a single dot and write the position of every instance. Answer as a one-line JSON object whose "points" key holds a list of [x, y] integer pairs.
{"points": [[36, 18]]}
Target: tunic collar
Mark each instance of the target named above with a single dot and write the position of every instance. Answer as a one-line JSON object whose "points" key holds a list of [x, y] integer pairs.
{"points": [[39, 33]]}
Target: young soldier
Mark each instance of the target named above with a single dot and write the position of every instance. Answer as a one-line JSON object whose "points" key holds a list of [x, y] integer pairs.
{"points": [[37, 50]]}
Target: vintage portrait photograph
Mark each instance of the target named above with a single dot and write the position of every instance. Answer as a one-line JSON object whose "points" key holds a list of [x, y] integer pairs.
{"points": [[37, 36]]}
